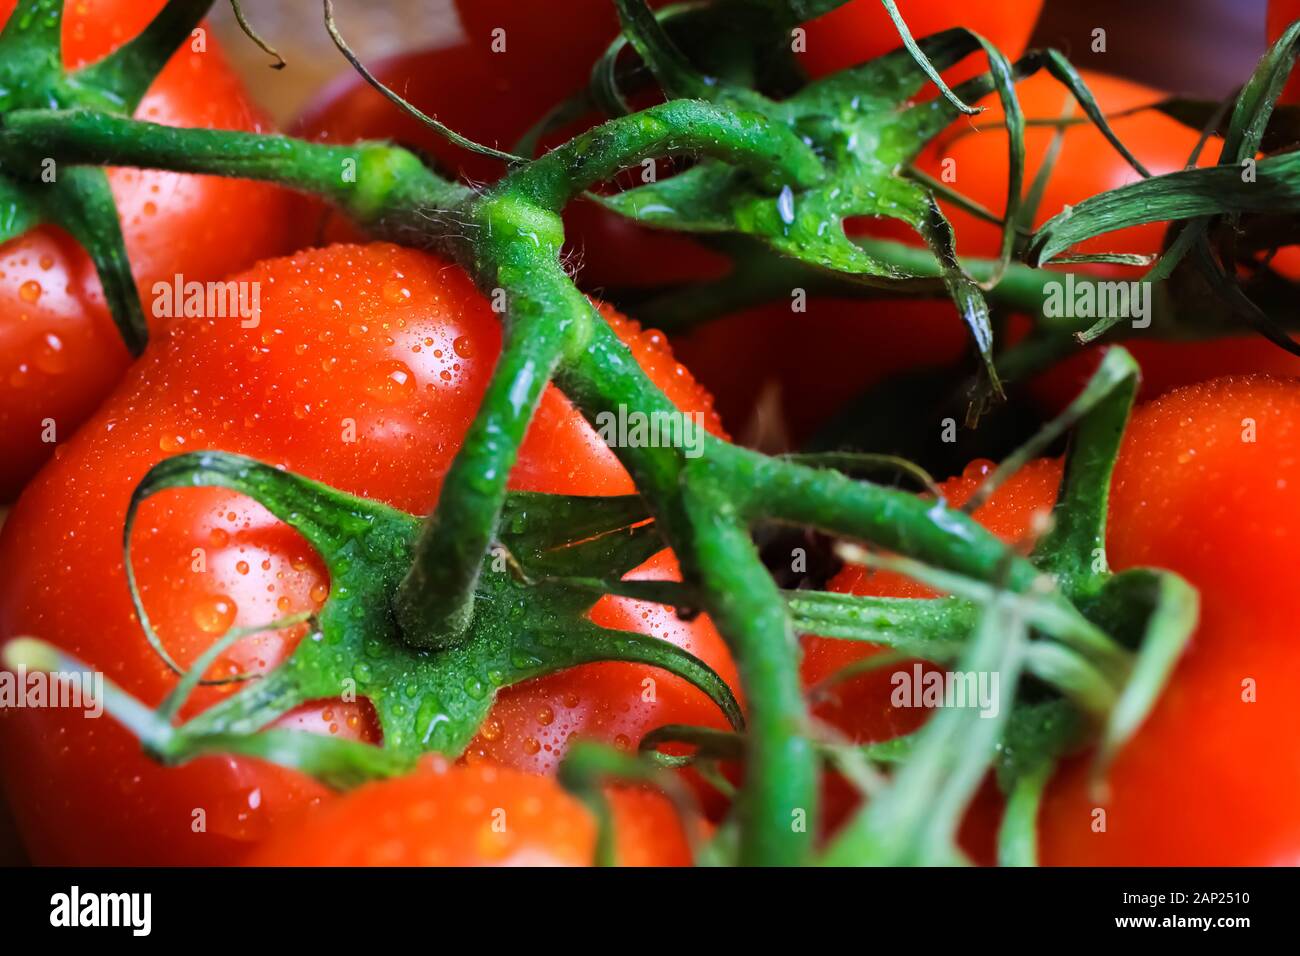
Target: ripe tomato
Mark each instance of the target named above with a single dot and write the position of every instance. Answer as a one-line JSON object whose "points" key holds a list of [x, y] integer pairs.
{"points": [[802, 368], [476, 816], [367, 367], [1281, 14], [975, 163], [60, 353], [861, 30], [859, 706], [1192, 494], [563, 39], [1208, 485], [971, 157]]}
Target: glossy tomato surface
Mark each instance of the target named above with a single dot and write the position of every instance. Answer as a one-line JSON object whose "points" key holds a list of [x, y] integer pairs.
{"points": [[365, 371], [1205, 486], [60, 353], [476, 816], [1208, 485], [861, 30]]}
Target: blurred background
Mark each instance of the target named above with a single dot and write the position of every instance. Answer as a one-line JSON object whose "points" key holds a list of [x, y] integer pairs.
{"points": [[1197, 47], [1202, 48]]}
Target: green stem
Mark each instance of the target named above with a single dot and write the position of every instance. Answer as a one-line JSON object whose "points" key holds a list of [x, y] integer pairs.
{"points": [[896, 520], [383, 188], [677, 128], [435, 602], [778, 809]]}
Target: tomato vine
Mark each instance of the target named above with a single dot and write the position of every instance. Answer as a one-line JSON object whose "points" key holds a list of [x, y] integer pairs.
{"points": [[420, 617]]}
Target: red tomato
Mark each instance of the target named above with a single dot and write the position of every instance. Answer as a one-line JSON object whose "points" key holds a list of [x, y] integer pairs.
{"points": [[1193, 495], [1281, 14], [367, 368], [562, 38], [861, 30], [971, 157], [802, 368], [1208, 485], [976, 161], [859, 707], [60, 353], [476, 816]]}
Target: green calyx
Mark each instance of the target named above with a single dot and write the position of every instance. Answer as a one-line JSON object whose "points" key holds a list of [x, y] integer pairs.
{"points": [[426, 701]]}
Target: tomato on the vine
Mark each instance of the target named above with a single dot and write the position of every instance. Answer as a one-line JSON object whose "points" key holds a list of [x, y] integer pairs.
{"points": [[1206, 486], [60, 353], [366, 369], [476, 816], [859, 706], [973, 161], [861, 30]]}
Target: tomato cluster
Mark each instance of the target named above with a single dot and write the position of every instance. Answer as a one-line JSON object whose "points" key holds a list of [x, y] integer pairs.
{"points": [[365, 371]]}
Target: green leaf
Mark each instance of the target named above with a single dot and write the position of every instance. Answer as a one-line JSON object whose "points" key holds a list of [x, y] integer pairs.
{"points": [[1282, 131]]}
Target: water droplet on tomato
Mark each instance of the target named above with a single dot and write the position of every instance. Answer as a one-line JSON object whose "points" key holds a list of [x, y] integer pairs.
{"points": [[395, 293], [215, 615], [390, 382], [30, 291], [51, 358]]}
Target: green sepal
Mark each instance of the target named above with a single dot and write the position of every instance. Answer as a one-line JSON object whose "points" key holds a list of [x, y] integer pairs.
{"points": [[19, 209], [81, 201], [914, 820], [31, 51], [426, 701]]}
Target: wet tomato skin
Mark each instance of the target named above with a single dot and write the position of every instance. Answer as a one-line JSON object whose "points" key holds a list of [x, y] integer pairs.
{"points": [[475, 816], [364, 373], [1206, 486], [60, 353]]}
